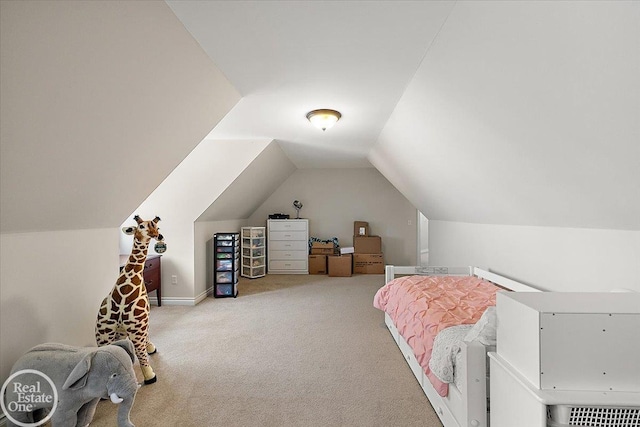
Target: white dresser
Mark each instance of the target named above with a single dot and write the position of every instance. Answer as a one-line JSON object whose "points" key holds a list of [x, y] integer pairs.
{"points": [[288, 246]]}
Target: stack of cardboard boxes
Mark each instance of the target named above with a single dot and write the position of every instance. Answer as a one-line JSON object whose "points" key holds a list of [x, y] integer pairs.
{"points": [[318, 257], [367, 256], [326, 259], [364, 257], [340, 265]]}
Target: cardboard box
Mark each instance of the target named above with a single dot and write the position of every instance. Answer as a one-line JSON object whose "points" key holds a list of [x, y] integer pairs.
{"points": [[367, 244], [317, 264], [368, 263], [340, 265], [360, 228], [319, 248]]}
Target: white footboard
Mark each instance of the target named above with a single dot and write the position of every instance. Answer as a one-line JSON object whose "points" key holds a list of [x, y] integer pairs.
{"points": [[465, 406]]}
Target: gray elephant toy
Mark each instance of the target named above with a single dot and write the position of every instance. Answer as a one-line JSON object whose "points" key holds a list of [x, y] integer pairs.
{"points": [[81, 376]]}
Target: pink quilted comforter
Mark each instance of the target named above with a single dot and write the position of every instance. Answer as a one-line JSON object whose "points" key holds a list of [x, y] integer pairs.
{"points": [[422, 306]]}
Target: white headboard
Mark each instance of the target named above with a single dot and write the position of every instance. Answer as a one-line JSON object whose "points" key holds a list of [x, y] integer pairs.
{"points": [[391, 271]]}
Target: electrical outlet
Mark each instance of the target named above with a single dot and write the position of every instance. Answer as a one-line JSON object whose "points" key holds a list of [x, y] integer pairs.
{"points": [[409, 222], [174, 280]]}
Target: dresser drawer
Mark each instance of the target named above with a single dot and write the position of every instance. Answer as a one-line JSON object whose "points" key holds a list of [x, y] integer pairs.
{"points": [[288, 265], [285, 245], [152, 279], [288, 226], [151, 274], [151, 264], [285, 255], [288, 235]]}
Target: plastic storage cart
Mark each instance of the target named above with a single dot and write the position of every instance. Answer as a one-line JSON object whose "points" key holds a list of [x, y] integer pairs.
{"points": [[253, 252], [226, 264]]}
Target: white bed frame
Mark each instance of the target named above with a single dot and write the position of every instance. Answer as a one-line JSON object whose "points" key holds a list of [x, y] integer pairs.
{"points": [[466, 405]]}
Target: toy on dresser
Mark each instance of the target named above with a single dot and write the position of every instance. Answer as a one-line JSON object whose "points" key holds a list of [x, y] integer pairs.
{"points": [[125, 311]]}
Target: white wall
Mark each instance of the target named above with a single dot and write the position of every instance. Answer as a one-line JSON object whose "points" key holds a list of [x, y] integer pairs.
{"points": [[52, 286], [334, 198], [182, 197], [557, 259], [525, 114], [423, 244]]}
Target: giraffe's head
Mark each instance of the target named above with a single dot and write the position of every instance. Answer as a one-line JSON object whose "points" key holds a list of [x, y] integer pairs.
{"points": [[145, 230]]}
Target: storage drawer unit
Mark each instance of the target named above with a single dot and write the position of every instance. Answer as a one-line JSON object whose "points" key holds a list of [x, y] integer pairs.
{"points": [[288, 246], [226, 264], [254, 248]]}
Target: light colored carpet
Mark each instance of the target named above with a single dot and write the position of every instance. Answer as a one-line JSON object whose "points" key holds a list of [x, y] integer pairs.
{"points": [[289, 351]]}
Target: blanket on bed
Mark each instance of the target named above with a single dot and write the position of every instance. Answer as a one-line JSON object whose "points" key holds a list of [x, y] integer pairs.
{"points": [[422, 306], [446, 349]]}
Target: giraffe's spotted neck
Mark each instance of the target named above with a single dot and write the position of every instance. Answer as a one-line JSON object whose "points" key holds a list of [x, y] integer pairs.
{"points": [[139, 252]]}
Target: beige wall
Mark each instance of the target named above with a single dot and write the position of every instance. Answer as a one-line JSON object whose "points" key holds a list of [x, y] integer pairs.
{"points": [[334, 198], [556, 259], [52, 286], [182, 197], [101, 100]]}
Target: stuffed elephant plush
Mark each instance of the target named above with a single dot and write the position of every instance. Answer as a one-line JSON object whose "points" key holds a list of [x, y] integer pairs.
{"points": [[81, 375]]}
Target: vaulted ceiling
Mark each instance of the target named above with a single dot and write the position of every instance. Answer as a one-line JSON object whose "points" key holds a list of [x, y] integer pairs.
{"points": [[287, 58], [521, 113], [524, 113]]}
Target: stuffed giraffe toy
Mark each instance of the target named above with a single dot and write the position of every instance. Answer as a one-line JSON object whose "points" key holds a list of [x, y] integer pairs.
{"points": [[125, 311]]}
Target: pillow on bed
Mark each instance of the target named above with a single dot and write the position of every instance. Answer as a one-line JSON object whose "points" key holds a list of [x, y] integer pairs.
{"points": [[484, 330]]}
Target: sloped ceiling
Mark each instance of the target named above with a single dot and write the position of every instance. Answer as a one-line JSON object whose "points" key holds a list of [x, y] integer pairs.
{"points": [[520, 112], [524, 113], [252, 187], [488, 112], [287, 58], [100, 101]]}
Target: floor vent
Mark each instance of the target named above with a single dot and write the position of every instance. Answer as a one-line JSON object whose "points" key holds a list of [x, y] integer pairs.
{"points": [[592, 416]]}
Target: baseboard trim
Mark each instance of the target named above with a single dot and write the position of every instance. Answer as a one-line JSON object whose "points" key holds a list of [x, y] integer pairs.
{"points": [[173, 301], [153, 300], [203, 296]]}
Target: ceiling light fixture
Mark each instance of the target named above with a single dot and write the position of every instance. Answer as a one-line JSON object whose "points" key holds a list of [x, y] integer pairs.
{"points": [[323, 118]]}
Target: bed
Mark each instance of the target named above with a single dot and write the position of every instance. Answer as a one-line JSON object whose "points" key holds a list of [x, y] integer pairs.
{"points": [[463, 401]]}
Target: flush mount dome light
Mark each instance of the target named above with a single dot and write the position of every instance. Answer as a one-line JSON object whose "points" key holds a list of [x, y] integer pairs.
{"points": [[323, 118]]}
